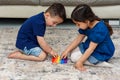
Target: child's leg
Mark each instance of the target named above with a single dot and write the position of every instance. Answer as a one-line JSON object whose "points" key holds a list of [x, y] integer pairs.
{"points": [[19, 55], [76, 54]]}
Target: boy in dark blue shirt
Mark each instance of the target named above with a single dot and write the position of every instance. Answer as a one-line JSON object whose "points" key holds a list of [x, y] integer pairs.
{"points": [[30, 40]]}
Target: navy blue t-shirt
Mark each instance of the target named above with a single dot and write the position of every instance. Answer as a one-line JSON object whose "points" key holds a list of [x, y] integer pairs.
{"points": [[31, 28], [99, 34]]}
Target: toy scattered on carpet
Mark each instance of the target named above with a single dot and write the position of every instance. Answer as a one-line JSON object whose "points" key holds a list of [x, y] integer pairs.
{"points": [[58, 60]]}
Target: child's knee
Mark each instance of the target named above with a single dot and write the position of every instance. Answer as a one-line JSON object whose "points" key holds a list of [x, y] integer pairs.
{"points": [[75, 56], [42, 56]]}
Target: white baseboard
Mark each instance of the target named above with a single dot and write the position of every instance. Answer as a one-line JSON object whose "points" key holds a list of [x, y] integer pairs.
{"points": [[114, 22]]}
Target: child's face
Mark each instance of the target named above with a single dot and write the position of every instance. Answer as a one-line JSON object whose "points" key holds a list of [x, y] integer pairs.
{"points": [[52, 21], [81, 25]]}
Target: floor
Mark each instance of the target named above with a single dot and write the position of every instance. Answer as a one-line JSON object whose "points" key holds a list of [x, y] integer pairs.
{"points": [[58, 38]]}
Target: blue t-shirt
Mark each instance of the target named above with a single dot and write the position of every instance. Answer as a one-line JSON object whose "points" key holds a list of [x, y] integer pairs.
{"points": [[99, 34], [31, 28]]}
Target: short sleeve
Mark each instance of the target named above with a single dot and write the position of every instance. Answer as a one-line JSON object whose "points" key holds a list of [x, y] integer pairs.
{"points": [[98, 35], [81, 31], [39, 29]]}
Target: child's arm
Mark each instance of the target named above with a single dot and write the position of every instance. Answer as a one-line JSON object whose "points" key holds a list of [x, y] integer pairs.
{"points": [[44, 45], [73, 45], [83, 58]]}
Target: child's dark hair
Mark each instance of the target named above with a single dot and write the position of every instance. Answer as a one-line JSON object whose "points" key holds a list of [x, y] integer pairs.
{"points": [[83, 12], [57, 9]]}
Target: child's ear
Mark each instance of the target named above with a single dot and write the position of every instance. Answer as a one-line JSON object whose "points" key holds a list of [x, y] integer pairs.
{"points": [[47, 14]]}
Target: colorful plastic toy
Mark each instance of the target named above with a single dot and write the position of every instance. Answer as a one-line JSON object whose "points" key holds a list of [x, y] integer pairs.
{"points": [[58, 60]]}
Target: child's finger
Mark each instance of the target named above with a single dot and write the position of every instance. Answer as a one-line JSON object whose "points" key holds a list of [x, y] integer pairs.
{"points": [[82, 69], [55, 55], [62, 57]]}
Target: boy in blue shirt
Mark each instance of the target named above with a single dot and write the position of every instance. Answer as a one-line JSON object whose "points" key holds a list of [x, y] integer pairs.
{"points": [[30, 40]]}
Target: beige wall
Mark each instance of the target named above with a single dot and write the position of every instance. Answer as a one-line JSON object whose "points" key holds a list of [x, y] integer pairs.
{"points": [[27, 11]]}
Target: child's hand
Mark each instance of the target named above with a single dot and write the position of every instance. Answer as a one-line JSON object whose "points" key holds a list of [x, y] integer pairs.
{"points": [[63, 55], [53, 53], [79, 66]]}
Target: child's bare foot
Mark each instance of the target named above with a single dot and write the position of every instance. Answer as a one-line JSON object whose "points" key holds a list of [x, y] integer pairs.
{"points": [[15, 55]]}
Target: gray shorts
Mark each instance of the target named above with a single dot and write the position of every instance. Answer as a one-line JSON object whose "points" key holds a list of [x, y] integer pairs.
{"points": [[33, 51]]}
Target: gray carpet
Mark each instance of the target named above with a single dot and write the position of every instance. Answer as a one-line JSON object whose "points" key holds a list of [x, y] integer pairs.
{"points": [[58, 38]]}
